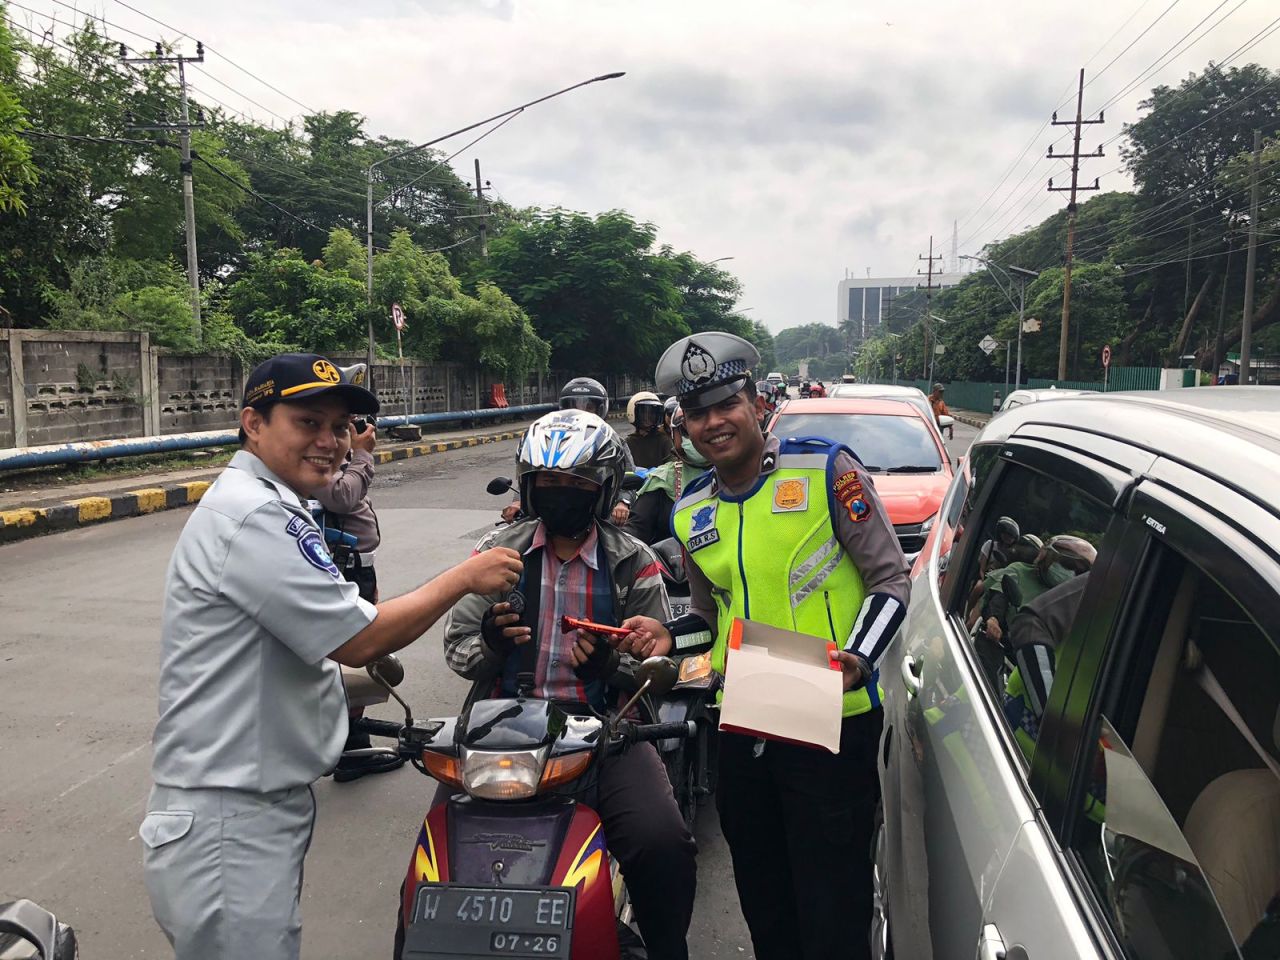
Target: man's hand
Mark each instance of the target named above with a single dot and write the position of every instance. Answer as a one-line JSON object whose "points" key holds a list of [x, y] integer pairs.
{"points": [[853, 667], [501, 630], [364, 440], [993, 629], [621, 513], [589, 656], [492, 571], [510, 511], [648, 638]]}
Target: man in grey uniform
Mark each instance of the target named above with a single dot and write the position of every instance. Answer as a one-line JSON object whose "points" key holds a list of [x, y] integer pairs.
{"points": [[257, 619]]}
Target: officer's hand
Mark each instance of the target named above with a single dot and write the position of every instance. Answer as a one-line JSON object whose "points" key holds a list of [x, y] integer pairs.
{"points": [[365, 439], [491, 571], [510, 510], [501, 628], [853, 668], [621, 513], [648, 638], [993, 629]]}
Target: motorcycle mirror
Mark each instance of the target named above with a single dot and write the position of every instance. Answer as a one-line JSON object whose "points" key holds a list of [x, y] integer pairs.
{"points": [[672, 557], [498, 485], [387, 670], [632, 481], [1011, 590], [658, 674]]}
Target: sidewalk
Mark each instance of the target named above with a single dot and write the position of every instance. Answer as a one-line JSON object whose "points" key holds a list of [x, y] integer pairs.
{"points": [[973, 419], [29, 513]]}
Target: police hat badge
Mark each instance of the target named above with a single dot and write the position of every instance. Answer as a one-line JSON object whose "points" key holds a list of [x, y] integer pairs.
{"points": [[697, 365]]}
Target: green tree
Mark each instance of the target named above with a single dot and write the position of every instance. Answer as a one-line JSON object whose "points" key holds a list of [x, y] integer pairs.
{"points": [[16, 169]]}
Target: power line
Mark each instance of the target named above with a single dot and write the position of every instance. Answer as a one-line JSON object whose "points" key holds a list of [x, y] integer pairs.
{"points": [[257, 196], [221, 56]]}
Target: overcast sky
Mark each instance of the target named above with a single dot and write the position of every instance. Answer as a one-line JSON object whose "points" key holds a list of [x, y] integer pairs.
{"points": [[800, 138]]}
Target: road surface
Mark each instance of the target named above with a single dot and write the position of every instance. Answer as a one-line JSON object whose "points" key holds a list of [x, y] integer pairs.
{"points": [[78, 663]]}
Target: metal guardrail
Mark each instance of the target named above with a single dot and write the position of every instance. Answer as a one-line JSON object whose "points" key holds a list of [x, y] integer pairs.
{"points": [[58, 454]]}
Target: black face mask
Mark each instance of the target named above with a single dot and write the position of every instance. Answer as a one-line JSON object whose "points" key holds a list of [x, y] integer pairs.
{"points": [[567, 511]]}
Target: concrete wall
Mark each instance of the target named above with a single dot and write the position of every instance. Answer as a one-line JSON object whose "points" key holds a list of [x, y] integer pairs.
{"points": [[63, 385]]}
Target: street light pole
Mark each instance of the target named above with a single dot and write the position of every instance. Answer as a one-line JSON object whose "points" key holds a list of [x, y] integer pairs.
{"points": [[1023, 275], [430, 143]]}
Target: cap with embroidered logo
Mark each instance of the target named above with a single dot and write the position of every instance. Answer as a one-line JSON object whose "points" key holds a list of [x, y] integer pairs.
{"points": [[290, 377]]}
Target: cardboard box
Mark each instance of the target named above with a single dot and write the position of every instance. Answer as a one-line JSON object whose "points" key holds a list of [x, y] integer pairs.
{"points": [[782, 685]]}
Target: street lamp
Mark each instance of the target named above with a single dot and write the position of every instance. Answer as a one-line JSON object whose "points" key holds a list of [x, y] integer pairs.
{"points": [[430, 143], [1023, 276]]}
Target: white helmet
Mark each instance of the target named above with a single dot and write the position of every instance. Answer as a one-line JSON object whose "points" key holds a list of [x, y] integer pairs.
{"points": [[574, 442], [642, 399]]}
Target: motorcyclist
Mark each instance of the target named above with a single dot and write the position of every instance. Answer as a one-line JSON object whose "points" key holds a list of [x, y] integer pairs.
{"points": [[818, 390], [650, 520], [570, 465], [583, 393], [649, 444], [998, 551]]}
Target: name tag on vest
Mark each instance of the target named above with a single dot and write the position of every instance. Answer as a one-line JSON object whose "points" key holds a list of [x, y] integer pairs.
{"points": [[791, 495]]}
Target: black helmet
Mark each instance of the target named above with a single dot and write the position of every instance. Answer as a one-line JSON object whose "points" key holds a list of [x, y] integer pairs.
{"points": [[584, 393]]}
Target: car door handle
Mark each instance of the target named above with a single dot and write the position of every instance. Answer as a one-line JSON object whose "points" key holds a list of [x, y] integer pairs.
{"points": [[910, 676], [991, 946]]}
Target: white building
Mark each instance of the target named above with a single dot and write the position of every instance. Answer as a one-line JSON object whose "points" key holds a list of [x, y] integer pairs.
{"points": [[868, 301]]}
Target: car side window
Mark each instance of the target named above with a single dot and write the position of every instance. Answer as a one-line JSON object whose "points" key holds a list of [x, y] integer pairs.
{"points": [[1179, 833], [1035, 544]]}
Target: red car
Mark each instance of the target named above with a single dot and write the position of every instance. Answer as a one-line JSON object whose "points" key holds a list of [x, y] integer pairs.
{"points": [[895, 443]]}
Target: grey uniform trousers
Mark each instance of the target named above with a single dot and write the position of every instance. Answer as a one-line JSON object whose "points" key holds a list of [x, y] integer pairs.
{"points": [[223, 869]]}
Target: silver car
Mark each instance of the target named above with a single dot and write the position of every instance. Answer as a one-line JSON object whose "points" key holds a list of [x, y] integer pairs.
{"points": [[1081, 722]]}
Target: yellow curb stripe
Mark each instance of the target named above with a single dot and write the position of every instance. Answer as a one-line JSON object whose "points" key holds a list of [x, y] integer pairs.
{"points": [[21, 517], [91, 509], [150, 499], [195, 489]]}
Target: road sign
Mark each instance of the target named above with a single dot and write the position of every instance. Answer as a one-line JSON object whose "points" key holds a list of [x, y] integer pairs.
{"points": [[939, 349], [1106, 355], [988, 344], [397, 316], [1031, 325]]}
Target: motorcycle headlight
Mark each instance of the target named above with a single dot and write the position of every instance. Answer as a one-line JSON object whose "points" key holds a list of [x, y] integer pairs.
{"points": [[502, 775], [695, 671]]}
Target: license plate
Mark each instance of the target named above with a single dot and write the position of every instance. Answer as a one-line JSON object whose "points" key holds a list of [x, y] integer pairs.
{"points": [[454, 922]]}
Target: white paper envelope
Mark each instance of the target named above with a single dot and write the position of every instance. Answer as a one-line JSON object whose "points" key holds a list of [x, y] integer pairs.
{"points": [[782, 685]]}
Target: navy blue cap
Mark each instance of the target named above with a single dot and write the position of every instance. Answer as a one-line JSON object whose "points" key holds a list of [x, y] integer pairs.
{"points": [[290, 377]]}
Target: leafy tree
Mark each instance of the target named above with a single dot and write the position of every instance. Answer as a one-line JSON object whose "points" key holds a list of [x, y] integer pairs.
{"points": [[16, 168], [808, 341]]}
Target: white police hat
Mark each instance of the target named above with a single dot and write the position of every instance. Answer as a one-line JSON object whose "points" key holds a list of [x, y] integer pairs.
{"points": [[706, 368]]}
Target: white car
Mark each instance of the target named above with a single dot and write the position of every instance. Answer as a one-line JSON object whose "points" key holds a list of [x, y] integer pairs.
{"points": [[1020, 398], [880, 391]]}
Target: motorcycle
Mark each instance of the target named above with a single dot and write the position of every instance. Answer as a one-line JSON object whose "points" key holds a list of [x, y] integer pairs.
{"points": [[30, 932], [513, 866], [691, 764]]}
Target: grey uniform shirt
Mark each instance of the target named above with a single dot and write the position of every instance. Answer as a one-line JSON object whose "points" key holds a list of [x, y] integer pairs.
{"points": [[253, 607], [347, 496]]}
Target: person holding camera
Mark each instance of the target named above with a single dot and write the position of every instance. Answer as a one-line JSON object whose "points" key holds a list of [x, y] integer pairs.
{"points": [[345, 499]]}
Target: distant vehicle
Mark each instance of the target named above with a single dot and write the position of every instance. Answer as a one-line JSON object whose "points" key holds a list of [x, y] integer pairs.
{"points": [[793, 380], [1087, 769], [880, 391], [896, 443], [848, 378], [1020, 398], [775, 378]]}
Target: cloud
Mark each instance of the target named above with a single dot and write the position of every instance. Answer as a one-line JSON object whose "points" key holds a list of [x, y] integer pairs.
{"points": [[800, 138]]}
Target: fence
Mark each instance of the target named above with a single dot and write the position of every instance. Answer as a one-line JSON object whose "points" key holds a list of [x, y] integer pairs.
{"points": [[970, 395], [60, 386]]}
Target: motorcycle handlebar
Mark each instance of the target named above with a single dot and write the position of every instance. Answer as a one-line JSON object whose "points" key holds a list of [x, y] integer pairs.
{"points": [[377, 728], [677, 729]]}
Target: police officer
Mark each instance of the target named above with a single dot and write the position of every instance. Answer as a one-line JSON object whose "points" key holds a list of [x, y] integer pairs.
{"points": [[257, 619], [792, 534]]}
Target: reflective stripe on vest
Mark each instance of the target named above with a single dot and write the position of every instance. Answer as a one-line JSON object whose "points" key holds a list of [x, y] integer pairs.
{"points": [[772, 557]]}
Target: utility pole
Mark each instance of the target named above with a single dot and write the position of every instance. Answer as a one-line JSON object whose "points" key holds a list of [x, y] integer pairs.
{"points": [[480, 211], [188, 193], [1075, 157], [928, 310], [1246, 330]]}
